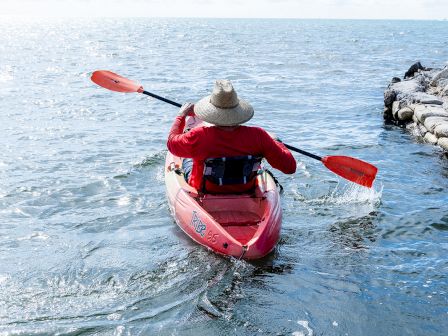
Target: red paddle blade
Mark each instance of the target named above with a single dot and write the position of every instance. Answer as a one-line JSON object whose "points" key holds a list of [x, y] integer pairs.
{"points": [[114, 82], [352, 169]]}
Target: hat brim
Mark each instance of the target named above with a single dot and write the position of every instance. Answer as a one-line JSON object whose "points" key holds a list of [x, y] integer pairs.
{"points": [[238, 115]]}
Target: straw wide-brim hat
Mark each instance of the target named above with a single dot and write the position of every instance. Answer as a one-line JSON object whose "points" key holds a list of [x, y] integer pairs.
{"points": [[223, 107]]}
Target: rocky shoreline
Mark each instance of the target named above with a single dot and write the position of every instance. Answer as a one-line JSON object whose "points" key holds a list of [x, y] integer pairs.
{"points": [[419, 102]]}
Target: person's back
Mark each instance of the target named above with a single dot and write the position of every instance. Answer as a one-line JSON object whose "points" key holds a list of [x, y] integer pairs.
{"points": [[226, 138]]}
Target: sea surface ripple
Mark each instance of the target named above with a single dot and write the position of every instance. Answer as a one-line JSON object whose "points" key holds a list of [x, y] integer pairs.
{"points": [[87, 243]]}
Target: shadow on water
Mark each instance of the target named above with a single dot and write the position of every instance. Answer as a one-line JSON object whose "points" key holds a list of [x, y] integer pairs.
{"points": [[442, 225], [443, 158], [355, 233], [418, 225], [152, 160], [271, 264]]}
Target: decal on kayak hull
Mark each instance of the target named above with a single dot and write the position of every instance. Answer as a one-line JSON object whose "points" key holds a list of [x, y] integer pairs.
{"points": [[199, 227]]}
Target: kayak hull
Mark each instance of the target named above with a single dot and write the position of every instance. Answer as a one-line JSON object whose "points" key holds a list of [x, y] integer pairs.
{"points": [[240, 225]]}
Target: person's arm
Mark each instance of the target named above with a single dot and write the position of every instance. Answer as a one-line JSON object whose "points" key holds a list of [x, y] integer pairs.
{"points": [[179, 143], [278, 156]]}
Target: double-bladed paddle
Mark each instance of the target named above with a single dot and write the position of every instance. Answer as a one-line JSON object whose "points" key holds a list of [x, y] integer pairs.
{"points": [[352, 169]]}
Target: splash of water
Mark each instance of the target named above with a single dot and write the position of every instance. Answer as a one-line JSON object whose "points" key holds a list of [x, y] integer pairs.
{"points": [[349, 193], [354, 194]]}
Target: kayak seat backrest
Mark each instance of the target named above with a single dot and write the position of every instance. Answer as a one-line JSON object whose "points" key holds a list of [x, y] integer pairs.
{"points": [[235, 170]]}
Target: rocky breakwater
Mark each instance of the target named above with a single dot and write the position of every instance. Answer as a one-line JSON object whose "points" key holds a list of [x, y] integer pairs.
{"points": [[419, 102]]}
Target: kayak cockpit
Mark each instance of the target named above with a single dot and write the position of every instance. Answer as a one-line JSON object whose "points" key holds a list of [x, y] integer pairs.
{"points": [[239, 215]]}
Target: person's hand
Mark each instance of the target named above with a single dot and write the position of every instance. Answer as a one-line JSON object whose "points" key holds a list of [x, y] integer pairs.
{"points": [[187, 109]]}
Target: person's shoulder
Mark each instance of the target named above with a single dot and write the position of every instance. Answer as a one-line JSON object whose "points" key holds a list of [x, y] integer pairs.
{"points": [[255, 129]]}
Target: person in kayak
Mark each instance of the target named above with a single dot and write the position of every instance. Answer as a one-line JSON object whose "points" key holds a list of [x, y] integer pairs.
{"points": [[225, 138]]}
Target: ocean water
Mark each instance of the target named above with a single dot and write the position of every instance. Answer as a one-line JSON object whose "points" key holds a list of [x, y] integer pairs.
{"points": [[87, 243]]}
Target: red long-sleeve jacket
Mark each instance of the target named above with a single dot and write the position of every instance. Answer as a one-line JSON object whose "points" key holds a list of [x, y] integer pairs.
{"points": [[202, 143]]}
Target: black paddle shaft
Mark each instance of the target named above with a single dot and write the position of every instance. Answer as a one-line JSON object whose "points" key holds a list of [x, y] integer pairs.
{"points": [[161, 98], [316, 157]]}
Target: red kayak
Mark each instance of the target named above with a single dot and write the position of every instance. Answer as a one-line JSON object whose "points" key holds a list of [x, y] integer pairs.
{"points": [[240, 225]]}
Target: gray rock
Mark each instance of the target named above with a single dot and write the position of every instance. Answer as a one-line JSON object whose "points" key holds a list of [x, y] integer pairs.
{"points": [[389, 97], [442, 82], [415, 119], [412, 106], [441, 130], [408, 92], [421, 97], [412, 127], [421, 112], [404, 88], [405, 114], [422, 129], [440, 75], [425, 98], [444, 91], [443, 142], [431, 122], [430, 138], [395, 108], [387, 115]]}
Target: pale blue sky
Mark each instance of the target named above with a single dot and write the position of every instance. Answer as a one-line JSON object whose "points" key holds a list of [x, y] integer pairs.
{"points": [[352, 9]]}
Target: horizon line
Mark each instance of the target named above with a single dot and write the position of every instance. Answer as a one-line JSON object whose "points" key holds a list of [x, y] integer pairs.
{"points": [[212, 17]]}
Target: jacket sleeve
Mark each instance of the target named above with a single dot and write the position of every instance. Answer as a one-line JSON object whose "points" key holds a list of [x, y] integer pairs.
{"points": [[179, 143], [278, 156]]}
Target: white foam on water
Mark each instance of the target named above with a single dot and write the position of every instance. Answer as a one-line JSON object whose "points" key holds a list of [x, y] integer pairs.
{"points": [[3, 278], [350, 193], [302, 167], [414, 130], [304, 324], [160, 175], [354, 193], [6, 74], [35, 235], [209, 307], [113, 316], [119, 330]]}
